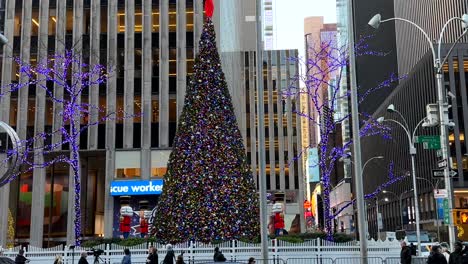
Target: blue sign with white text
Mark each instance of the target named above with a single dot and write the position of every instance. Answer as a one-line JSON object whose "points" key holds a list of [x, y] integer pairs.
{"points": [[440, 208], [119, 188]]}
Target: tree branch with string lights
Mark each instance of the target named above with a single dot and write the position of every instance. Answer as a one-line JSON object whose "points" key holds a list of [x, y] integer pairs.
{"points": [[69, 72], [325, 72]]}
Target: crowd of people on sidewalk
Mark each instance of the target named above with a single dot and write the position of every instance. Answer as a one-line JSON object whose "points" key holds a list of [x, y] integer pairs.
{"points": [[439, 254]]}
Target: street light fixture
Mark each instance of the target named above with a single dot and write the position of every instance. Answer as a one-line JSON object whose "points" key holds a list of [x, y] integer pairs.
{"points": [[412, 151], [441, 97], [3, 40], [375, 21], [465, 21]]}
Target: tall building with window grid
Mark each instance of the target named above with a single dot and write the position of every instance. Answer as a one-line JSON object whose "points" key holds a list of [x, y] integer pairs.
{"points": [[150, 44]]}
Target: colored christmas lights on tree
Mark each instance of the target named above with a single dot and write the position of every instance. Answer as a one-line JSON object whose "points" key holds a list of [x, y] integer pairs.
{"points": [[208, 193]]}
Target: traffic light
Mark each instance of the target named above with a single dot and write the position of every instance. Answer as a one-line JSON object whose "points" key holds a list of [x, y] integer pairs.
{"points": [[464, 217]]}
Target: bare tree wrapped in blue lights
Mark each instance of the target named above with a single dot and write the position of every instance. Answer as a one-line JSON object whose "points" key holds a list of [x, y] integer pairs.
{"points": [[68, 72], [325, 73]]}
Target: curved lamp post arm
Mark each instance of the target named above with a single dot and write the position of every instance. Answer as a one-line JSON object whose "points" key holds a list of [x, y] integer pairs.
{"points": [[369, 160], [424, 179], [450, 50], [404, 128], [392, 193], [434, 186], [444, 28], [402, 118], [418, 27], [417, 126]]}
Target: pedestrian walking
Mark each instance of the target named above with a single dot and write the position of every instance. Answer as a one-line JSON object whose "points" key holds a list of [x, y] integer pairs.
{"points": [[405, 254], [445, 251], [218, 255], [436, 256], [170, 256], [180, 259], [457, 255], [20, 259], [83, 259], [127, 258], [251, 260], [58, 259], [413, 249], [152, 256]]}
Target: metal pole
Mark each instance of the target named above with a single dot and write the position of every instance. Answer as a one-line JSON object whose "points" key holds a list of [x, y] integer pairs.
{"points": [[437, 219], [261, 134], [444, 149], [377, 210], [401, 212], [356, 140], [416, 199]]}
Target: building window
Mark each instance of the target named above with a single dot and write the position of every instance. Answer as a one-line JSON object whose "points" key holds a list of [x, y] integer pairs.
{"points": [[127, 164]]}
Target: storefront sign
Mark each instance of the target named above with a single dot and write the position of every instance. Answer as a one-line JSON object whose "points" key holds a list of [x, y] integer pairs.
{"points": [[119, 188]]}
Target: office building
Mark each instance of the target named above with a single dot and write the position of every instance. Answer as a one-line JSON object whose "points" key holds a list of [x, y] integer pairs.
{"points": [[152, 45], [410, 97]]}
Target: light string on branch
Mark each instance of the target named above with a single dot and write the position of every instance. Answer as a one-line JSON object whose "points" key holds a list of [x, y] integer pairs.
{"points": [[70, 73], [323, 75]]}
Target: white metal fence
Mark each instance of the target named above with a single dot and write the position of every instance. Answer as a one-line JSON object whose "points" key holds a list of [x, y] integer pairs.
{"points": [[236, 251]]}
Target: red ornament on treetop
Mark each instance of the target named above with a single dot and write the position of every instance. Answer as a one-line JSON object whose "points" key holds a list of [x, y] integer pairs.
{"points": [[209, 8]]}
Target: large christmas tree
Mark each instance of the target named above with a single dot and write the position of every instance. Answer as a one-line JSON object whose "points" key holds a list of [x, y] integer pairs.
{"points": [[208, 193]]}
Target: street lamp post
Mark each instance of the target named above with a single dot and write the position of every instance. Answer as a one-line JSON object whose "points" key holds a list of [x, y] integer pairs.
{"points": [[434, 187], [441, 97], [356, 139], [412, 151], [261, 133], [377, 216], [400, 201], [364, 213]]}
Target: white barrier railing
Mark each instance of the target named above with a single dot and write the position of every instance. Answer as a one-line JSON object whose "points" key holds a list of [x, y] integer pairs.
{"points": [[232, 250]]}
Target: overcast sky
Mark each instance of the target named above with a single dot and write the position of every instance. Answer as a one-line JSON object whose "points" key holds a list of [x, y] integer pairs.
{"points": [[290, 19]]}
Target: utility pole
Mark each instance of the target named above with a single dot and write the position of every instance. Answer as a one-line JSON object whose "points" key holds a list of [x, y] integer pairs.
{"points": [[261, 134], [361, 214]]}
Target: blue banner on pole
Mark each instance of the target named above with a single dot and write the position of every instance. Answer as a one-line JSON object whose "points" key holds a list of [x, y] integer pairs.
{"points": [[313, 171], [440, 208]]}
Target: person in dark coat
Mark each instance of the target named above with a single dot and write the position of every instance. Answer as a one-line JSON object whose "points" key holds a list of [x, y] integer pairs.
{"points": [[457, 254], [413, 249], [405, 254], [218, 255], [83, 259], [127, 258], [20, 259], [152, 256], [180, 259], [170, 256], [436, 256]]}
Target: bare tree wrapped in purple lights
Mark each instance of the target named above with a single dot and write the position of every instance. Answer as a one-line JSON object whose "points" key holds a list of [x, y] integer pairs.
{"points": [[325, 72], [68, 72], [209, 193]]}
